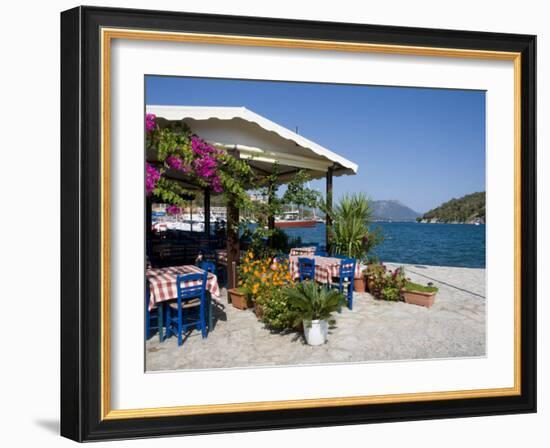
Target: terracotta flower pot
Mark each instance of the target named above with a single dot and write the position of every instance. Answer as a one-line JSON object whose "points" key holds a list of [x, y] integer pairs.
{"points": [[359, 284], [419, 298], [238, 299]]}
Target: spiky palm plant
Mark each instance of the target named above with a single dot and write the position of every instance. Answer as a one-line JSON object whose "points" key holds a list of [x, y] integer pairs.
{"points": [[311, 302], [351, 226]]}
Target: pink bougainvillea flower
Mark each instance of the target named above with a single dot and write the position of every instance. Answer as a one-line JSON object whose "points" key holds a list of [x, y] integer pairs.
{"points": [[200, 147], [216, 184], [174, 162], [173, 210], [205, 167], [152, 175], [150, 122]]}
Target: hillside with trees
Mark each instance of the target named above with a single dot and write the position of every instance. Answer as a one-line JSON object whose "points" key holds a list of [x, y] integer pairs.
{"points": [[467, 209]]}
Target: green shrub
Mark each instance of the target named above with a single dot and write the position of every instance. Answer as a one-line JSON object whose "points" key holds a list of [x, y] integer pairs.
{"points": [[383, 283], [276, 310], [411, 286]]}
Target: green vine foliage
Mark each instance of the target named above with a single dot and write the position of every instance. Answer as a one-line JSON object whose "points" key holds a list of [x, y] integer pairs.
{"points": [[171, 144], [297, 193]]}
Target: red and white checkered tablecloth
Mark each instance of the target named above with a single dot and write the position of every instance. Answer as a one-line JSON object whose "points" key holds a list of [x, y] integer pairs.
{"points": [[303, 251], [162, 282], [325, 268]]}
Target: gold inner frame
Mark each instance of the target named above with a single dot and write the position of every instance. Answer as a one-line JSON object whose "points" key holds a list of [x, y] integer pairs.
{"points": [[107, 35]]}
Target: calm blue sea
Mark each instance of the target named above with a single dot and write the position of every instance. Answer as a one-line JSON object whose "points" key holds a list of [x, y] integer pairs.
{"points": [[410, 242]]}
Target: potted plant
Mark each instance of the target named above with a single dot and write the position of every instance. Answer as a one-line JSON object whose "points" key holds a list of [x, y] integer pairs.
{"points": [[313, 305], [374, 275], [360, 284], [351, 234], [418, 294], [237, 297]]}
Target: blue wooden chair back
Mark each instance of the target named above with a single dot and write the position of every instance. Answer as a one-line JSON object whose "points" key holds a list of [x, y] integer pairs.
{"points": [[347, 274], [196, 289], [347, 269], [208, 266], [306, 268], [189, 286]]}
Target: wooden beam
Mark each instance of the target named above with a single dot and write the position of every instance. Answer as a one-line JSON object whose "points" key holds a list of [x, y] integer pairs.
{"points": [[271, 218], [207, 213], [328, 220], [233, 249]]}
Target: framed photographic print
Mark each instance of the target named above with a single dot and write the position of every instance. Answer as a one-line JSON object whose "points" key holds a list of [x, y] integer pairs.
{"points": [[277, 224]]}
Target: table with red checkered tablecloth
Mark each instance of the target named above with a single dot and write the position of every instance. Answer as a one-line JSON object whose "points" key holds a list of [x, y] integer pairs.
{"points": [[326, 268], [162, 283], [303, 251]]}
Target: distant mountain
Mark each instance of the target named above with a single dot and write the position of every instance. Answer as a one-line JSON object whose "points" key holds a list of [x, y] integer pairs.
{"points": [[467, 209], [392, 210]]}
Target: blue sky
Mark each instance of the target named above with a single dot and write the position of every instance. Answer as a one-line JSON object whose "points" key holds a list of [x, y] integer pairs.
{"points": [[419, 146]]}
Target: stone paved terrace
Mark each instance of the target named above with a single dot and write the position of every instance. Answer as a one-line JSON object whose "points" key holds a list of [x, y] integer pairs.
{"points": [[375, 330]]}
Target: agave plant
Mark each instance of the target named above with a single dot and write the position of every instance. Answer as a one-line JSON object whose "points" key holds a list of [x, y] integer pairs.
{"points": [[311, 302]]}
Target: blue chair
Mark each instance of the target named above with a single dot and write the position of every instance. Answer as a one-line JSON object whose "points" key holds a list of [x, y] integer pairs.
{"points": [[347, 273], [153, 317], [306, 268], [321, 253], [208, 266], [219, 270], [189, 311]]}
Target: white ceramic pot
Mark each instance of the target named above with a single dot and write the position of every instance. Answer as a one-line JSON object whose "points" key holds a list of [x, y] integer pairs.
{"points": [[317, 332]]}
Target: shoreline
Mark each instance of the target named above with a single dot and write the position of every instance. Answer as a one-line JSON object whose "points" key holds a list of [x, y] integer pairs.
{"points": [[435, 266]]}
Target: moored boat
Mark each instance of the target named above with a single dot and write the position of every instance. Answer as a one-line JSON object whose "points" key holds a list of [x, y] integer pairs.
{"points": [[292, 219]]}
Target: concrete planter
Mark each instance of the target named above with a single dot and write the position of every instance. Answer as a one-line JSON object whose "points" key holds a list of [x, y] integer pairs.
{"points": [[317, 332], [425, 299], [238, 299]]}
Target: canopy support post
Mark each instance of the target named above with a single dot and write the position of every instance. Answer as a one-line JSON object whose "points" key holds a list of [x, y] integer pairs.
{"points": [[271, 218], [328, 219], [233, 249], [207, 214]]}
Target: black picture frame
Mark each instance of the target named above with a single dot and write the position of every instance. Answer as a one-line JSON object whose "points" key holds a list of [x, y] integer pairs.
{"points": [[81, 210]]}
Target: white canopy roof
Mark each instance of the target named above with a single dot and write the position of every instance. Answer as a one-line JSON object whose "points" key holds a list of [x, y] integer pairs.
{"points": [[257, 138]]}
